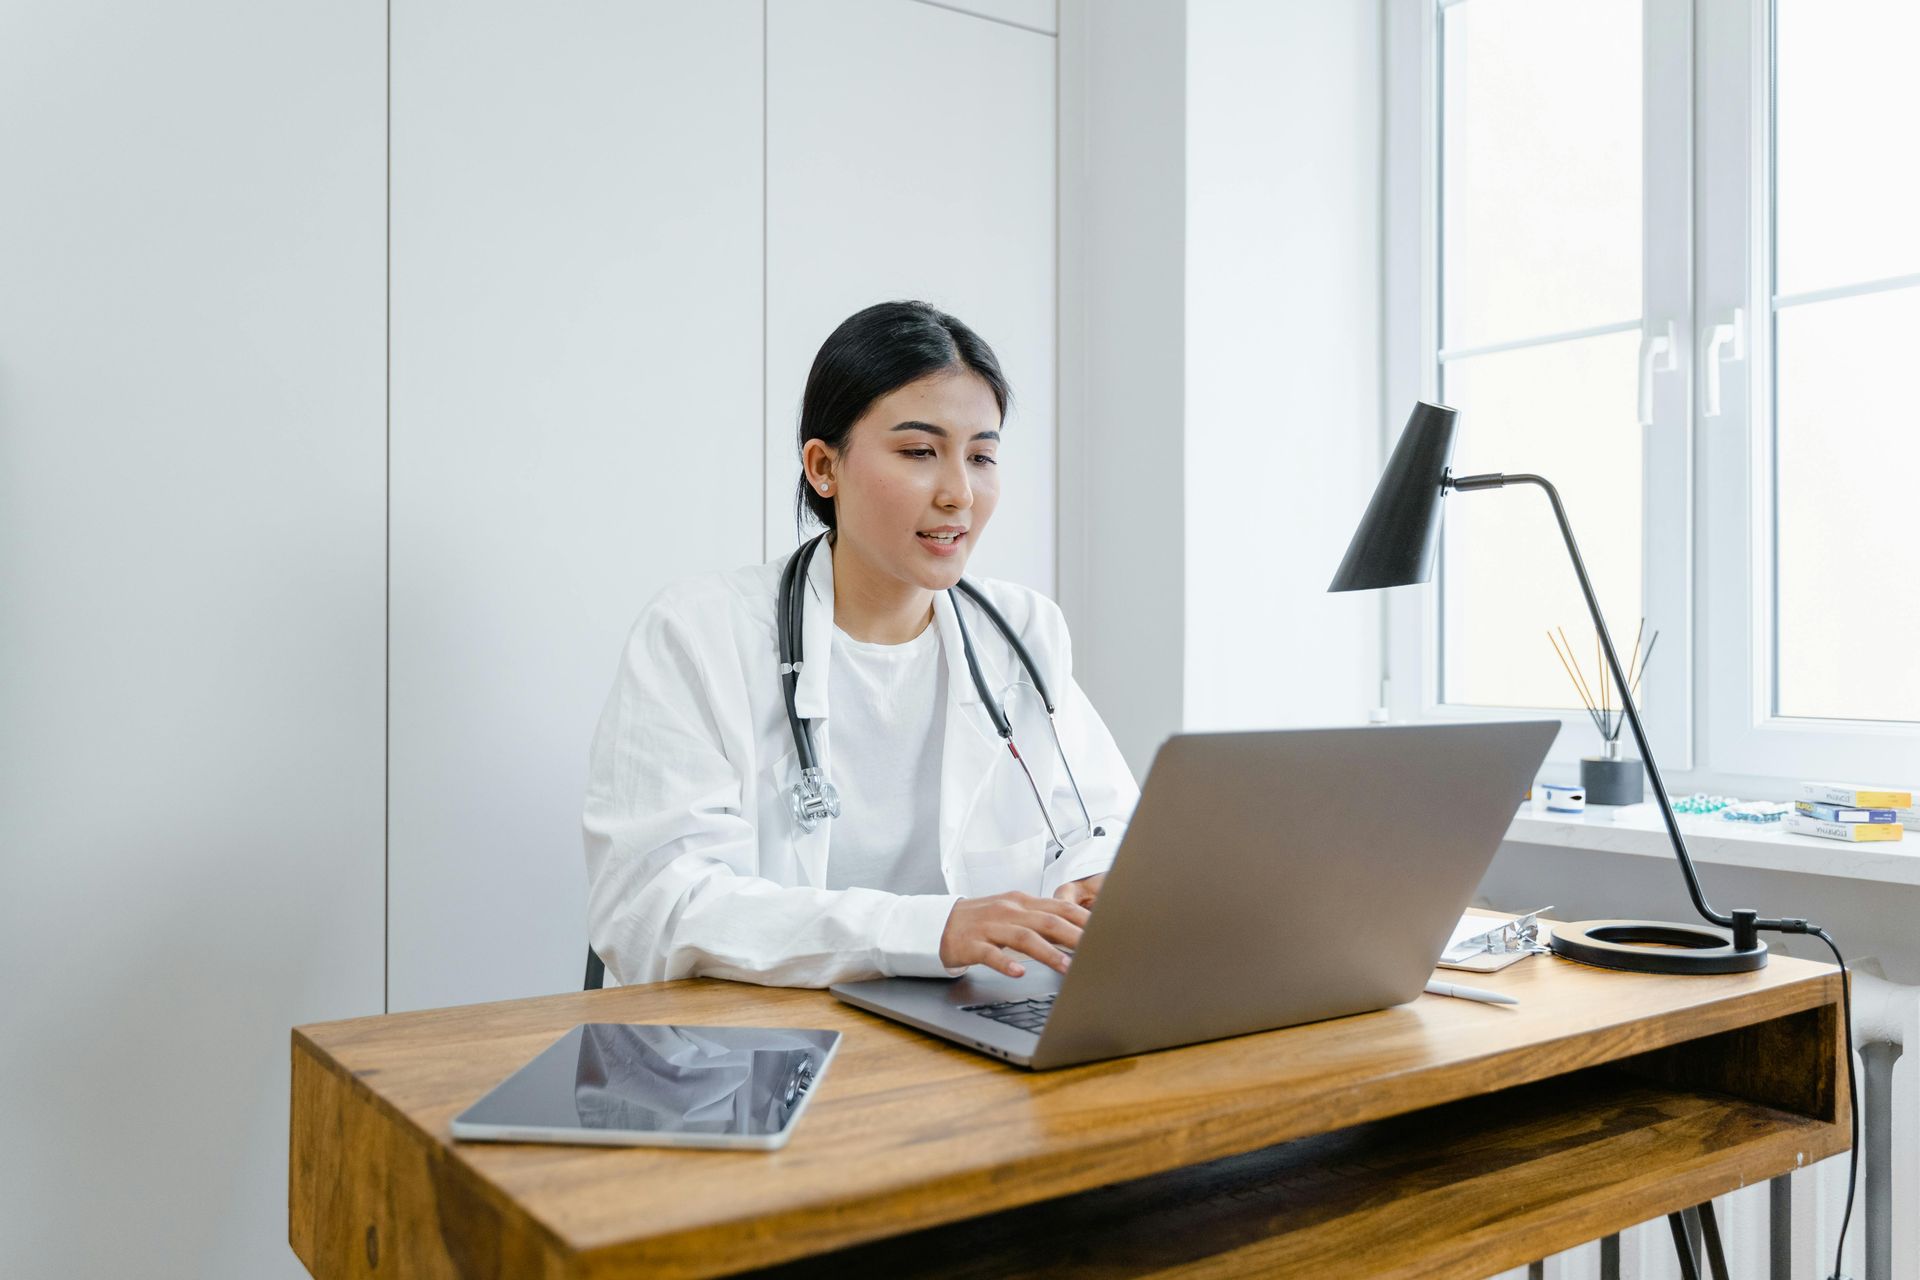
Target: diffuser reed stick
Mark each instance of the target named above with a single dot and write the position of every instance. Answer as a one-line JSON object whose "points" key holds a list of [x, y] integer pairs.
{"points": [[1607, 717]]}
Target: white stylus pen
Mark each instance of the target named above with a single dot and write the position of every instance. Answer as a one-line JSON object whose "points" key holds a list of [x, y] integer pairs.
{"points": [[1435, 987]]}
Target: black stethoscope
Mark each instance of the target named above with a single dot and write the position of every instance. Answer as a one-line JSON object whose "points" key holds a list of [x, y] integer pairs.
{"points": [[813, 797]]}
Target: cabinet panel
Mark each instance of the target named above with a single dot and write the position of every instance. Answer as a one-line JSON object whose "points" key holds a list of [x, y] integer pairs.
{"points": [[1040, 15], [910, 154], [576, 421], [192, 512]]}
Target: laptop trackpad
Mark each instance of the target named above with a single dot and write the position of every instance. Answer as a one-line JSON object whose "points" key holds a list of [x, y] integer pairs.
{"points": [[981, 985]]}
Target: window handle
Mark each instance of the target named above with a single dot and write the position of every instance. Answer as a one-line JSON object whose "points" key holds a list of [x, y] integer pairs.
{"points": [[1658, 354], [1726, 340]]}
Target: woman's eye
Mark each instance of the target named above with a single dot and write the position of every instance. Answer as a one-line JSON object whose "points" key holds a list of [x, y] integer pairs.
{"points": [[987, 458]]}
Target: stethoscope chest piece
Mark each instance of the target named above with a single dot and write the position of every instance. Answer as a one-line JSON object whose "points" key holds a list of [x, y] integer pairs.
{"points": [[813, 799]]}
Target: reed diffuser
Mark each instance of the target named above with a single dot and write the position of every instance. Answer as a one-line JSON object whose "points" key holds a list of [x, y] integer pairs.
{"points": [[1610, 777]]}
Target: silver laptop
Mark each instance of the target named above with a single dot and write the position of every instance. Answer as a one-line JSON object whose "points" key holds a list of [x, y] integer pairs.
{"points": [[1267, 879]]}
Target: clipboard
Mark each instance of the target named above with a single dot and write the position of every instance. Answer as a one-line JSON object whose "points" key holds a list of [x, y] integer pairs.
{"points": [[1480, 945]]}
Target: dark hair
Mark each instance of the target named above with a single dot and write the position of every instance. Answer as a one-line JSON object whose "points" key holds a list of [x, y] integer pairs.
{"points": [[875, 352]]}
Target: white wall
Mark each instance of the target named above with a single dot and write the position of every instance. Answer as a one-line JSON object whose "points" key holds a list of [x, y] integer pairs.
{"points": [[192, 507], [1220, 358], [1122, 359], [1283, 358]]}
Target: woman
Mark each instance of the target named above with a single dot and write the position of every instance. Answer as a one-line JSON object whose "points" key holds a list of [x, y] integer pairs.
{"points": [[940, 856]]}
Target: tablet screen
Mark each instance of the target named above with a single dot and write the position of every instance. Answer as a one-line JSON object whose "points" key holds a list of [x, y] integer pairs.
{"points": [[613, 1081]]}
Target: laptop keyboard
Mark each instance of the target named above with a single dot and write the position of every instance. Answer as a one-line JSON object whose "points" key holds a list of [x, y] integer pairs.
{"points": [[1028, 1015]]}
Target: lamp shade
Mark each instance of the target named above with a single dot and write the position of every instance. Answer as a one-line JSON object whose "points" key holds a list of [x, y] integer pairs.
{"points": [[1395, 543]]}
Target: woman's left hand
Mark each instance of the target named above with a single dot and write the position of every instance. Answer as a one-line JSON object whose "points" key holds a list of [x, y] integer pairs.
{"points": [[1081, 892]]}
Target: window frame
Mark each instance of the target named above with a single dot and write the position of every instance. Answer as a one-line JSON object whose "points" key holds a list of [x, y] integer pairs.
{"points": [[1736, 271], [1707, 251], [1411, 331]]}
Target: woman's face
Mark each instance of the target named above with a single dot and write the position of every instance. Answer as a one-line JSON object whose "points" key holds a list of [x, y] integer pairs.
{"points": [[922, 459]]}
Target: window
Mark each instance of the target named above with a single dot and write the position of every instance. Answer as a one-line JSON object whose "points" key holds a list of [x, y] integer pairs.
{"points": [[1845, 302], [1540, 263], [1666, 256]]}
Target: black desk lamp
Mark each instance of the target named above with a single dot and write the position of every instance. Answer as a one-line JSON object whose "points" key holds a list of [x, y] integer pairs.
{"points": [[1393, 547]]}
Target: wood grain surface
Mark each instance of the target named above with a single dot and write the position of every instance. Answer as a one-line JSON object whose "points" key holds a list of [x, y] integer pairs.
{"points": [[907, 1132], [1465, 1190]]}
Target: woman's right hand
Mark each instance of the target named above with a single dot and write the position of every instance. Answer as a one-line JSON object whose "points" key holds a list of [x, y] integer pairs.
{"points": [[984, 930]]}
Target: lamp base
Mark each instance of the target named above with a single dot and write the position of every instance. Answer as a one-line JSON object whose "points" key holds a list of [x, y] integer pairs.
{"points": [[1654, 946]]}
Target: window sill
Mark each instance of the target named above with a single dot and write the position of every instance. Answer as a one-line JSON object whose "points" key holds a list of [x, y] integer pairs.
{"points": [[1712, 840]]}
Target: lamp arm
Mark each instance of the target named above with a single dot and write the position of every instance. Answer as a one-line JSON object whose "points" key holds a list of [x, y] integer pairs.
{"points": [[1740, 921]]}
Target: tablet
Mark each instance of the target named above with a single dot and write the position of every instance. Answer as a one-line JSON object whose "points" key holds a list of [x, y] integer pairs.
{"points": [[619, 1084]]}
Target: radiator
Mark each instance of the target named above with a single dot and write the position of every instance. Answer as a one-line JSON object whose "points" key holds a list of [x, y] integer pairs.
{"points": [[1883, 1242]]}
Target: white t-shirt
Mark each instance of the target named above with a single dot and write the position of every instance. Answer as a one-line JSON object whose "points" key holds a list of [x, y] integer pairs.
{"points": [[886, 704]]}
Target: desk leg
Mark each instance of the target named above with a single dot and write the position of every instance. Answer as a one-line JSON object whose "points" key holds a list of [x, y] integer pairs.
{"points": [[1610, 1258], [1697, 1233], [1710, 1230], [1537, 1270], [1780, 1228], [1683, 1247]]}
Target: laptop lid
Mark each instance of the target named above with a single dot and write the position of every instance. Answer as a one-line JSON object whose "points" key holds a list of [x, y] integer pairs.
{"points": [[1279, 877]]}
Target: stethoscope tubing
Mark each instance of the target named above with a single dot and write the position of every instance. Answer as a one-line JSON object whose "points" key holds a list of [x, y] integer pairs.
{"points": [[790, 615]]}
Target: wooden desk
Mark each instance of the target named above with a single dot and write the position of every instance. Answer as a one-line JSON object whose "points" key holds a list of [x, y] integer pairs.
{"points": [[1440, 1138]]}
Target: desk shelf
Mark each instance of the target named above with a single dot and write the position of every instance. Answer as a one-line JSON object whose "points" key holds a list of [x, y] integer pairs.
{"points": [[1467, 1189]]}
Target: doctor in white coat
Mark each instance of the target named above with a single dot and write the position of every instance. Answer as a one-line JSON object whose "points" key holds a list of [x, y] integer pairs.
{"points": [[940, 857]]}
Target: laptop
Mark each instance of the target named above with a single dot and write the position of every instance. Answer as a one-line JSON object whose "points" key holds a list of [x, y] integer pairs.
{"points": [[1267, 879]]}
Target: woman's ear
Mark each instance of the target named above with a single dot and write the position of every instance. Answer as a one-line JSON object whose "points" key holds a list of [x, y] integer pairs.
{"points": [[818, 462]]}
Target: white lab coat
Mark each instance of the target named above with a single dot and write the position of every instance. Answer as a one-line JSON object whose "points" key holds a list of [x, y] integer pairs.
{"points": [[695, 865]]}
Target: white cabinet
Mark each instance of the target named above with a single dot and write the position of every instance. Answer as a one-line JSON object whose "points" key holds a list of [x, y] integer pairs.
{"points": [[910, 154], [576, 421], [578, 408], [359, 383], [192, 529], [1035, 15]]}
